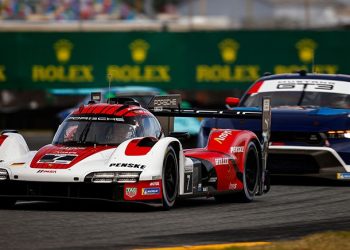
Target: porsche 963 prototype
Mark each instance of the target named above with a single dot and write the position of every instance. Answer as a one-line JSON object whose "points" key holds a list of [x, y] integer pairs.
{"points": [[118, 151]]}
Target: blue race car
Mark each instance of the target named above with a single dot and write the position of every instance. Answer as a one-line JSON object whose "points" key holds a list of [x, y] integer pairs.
{"points": [[310, 132]]}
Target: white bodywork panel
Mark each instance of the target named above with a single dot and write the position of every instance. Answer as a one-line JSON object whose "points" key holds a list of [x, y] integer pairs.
{"points": [[16, 159], [301, 149]]}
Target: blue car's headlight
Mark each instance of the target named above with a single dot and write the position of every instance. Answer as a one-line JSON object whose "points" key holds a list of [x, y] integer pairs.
{"points": [[338, 134]]}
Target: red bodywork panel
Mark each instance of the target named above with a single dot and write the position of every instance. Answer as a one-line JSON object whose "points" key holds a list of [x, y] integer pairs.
{"points": [[139, 147], [61, 157], [224, 165], [232, 142], [255, 88], [226, 151], [2, 139]]}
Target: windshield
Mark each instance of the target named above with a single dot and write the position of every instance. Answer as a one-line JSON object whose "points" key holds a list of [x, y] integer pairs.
{"points": [[299, 98], [85, 133]]}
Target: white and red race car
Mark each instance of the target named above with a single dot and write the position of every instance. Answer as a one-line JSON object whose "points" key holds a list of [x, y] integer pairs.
{"points": [[117, 151]]}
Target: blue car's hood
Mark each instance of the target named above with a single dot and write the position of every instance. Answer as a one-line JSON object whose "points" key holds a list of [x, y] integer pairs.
{"points": [[291, 119], [310, 119]]}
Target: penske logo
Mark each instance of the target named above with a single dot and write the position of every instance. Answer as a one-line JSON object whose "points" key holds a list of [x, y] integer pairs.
{"points": [[127, 165]]}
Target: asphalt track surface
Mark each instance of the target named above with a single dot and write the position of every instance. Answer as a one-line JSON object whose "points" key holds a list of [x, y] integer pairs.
{"points": [[293, 208]]}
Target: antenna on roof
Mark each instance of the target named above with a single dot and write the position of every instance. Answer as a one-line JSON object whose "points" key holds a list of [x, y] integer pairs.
{"points": [[313, 64], [109, 76]]}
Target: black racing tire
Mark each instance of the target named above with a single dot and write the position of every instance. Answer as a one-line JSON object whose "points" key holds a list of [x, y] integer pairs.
{"points": [[250, 178], [6, 203], [251, 174], [170, 178]]}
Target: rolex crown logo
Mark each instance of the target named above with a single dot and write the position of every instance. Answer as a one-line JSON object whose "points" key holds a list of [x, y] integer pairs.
{"points": [[139, 50], [63, 50], [306, 50], [228, 50]]}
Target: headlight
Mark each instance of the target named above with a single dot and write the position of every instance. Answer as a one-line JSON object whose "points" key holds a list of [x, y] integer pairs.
{"points": [[4, 175], [339, 134], [113, 177]]}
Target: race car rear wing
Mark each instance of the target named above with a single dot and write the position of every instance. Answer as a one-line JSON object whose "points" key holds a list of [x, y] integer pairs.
{"points": [[168, 107]]}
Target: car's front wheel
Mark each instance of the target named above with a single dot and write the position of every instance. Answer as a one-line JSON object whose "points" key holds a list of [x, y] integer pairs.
{"points": [[170, 178]]}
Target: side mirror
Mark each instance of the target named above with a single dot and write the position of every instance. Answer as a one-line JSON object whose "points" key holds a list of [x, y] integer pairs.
{"points": [[232, 102], [180, 135]]}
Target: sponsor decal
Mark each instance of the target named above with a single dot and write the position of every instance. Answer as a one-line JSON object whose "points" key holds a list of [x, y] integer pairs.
{"points": [[95, 118], [188, 183], [222, 137], [199, 187], [343, 176], [166, 102], [232, 186], [57, 158], [63, 49], [213, 179], [305, 85], [229, 70], [127, 165], [237, 149], [63, 72], [154, 183], [221, 161], [131, 191], [189, 169], [150, 191], [228, 50], [308, 85], [44, 171], [306, 50], [140, 71]]}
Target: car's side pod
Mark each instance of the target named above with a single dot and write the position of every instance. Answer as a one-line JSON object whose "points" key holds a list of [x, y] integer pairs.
{"points": [[169, 106]]}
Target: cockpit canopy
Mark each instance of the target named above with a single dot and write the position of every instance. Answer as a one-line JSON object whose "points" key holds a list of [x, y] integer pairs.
{"points": [[87, 130]]}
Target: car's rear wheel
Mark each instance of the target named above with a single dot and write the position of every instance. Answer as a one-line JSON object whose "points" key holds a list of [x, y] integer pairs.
{"points": [[250, 178], [250, 175], [170, 178], [6, 203]]}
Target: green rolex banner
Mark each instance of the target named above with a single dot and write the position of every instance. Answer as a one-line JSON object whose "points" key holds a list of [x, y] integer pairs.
{"points": [[188, 60]]}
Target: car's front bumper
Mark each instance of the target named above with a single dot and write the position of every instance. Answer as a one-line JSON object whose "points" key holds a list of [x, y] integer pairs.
{"points": [[306, 160], [51, 191]]}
